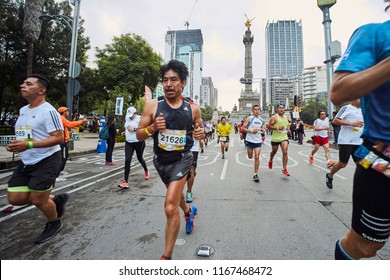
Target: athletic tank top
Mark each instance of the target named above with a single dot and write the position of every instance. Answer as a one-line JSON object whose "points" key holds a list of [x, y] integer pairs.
{"points": [[177, 139], [280, 136]]}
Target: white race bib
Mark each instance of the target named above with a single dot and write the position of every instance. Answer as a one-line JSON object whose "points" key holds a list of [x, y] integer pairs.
{"points": [[172, 139], [23, 133], [223, 138]]}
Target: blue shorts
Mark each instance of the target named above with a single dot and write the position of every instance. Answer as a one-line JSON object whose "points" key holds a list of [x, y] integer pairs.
{"points": [[251, 145]]}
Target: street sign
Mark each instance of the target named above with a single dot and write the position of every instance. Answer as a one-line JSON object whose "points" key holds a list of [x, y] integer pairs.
{"points": [[77, 69], [73, 87]]}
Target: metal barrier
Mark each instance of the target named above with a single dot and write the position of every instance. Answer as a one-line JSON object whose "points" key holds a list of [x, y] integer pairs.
{"points": [[6, 139]]}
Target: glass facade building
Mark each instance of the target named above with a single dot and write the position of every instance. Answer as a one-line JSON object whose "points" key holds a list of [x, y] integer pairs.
{"points": [[284, 54]]}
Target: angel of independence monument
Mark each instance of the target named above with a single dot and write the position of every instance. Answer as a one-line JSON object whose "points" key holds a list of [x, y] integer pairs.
{"points": [[247, 98]]}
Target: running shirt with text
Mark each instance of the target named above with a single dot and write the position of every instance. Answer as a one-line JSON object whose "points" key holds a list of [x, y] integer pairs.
{"points": [[36, 124], [368, 46], [177, 137], [350, 135], [254, 123]]}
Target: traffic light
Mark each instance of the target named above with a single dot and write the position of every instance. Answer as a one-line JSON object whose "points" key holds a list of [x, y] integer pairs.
{"points": [[299, 100], [295, 100]]}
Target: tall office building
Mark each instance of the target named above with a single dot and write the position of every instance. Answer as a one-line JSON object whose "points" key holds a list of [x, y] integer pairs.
{"points": [[284, 57], [314, 82], [187, 46]]}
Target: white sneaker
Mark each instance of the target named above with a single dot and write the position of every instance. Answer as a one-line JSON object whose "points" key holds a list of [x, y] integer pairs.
{"points": [[60, 179], [64, 173]]}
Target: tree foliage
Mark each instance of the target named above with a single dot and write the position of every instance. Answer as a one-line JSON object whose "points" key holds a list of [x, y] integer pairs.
{"points": [[311, 107], [51, 55], [207, 113], [125, 67]]}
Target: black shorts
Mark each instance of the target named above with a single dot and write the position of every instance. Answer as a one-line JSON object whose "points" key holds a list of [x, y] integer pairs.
{"points": [[346, 151], [37, 177], [174, 171], [278, 143], [371, 204]]}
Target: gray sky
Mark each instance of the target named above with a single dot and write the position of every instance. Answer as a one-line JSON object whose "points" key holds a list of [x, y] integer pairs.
{"points": [[222, 25]]}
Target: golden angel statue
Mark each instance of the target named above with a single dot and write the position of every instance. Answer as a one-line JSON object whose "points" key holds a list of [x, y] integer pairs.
{"points": [[248, 21]]}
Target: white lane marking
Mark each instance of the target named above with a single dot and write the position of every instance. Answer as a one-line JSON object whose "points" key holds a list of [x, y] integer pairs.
{"points": [[5, 174], [223, 174], [327, 170], [73, 190], [276, 159]]}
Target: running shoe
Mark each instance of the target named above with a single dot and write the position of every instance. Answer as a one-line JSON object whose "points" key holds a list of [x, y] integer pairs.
{"points": [[330, 164], [189, 197], [51, 230], [164, 258], [123, 185], [60, 179], [60, 200], [311, 159], [147, 175], [329, 181], [256, 178], [226, 149], [190, 219], [201, 151], [285, 172], [64, 173], [223, 156], [110, 163], [270, 164]]}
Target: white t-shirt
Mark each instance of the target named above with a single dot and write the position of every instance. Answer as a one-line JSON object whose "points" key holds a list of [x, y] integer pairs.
{"points": [[196, 146], [37, 123], [321, 124], [131, 136], [350, 135], [254, 123]]}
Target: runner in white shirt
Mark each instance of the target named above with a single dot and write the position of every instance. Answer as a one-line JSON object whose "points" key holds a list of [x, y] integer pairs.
{"points": [[350, 118], [132, 144], [39, 133], [253, 126], [321, 136]]}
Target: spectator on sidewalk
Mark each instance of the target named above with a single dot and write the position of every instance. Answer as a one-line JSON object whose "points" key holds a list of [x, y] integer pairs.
{"points": [[64, 112], [111, 140]]}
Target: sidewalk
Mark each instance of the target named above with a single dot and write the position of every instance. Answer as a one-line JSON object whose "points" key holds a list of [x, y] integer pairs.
{"points": [[86, 144]]}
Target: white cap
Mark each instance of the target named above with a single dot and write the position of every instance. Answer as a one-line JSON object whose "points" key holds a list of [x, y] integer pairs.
{"points": [[130, 112]]}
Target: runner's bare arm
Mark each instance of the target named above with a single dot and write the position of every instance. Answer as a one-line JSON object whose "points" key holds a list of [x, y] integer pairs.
{"points": [[198, 133], [147, 126]]}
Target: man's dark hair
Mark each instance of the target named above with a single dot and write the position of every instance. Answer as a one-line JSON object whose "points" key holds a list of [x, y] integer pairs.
{"points": [[320, 111], [177, 66], [43, 81], [223, 118]]}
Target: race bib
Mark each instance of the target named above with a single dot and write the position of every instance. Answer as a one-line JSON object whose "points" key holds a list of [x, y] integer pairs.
{"points": [[23, 133], [223, 138], [172, 139]]}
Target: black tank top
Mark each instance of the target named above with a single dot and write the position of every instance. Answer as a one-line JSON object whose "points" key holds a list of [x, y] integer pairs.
{"points": [[178, 119]]}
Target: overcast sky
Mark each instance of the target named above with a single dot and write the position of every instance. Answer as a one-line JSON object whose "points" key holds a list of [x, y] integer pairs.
{"points": [[223, 28]]}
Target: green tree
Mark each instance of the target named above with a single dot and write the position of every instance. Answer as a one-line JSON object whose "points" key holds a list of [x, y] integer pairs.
{"points": [[207, 113], [311, 107], [51, 54], [125, 67]]}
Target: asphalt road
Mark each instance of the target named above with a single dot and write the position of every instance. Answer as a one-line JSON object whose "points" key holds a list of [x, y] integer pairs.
{"points": [[280, 218]]}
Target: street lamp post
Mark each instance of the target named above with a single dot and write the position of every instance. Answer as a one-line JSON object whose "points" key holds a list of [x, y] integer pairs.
{"points": [[325, 5], [73, 85]]}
